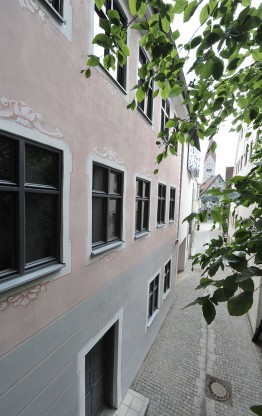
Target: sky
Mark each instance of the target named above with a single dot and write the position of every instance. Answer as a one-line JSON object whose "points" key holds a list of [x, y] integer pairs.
{"points": [[226, 142]]}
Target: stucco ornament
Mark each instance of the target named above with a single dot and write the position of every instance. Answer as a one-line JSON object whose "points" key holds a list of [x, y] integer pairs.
{"points": [[108, 257], [112, 89], [23, 298], [22, 114], [109, 153], [34, 8], [144, 171]]}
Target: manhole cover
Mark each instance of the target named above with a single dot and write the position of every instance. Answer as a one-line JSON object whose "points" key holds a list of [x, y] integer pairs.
{"points": [[219, 390]]}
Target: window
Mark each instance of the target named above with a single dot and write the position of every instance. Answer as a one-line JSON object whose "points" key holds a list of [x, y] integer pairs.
{"points": [[153, 297], [142, 205], [30, 209], [107, 198], [119, 74], [161, 205], [165, 116], [167, 277], [172, 202], [57, 5], [147, 104]]}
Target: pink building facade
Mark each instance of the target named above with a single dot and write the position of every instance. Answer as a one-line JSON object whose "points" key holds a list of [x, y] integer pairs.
{"points": [[88, 234]]}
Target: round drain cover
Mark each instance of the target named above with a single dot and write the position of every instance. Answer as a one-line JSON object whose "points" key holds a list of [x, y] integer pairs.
{"points": [[219, 390]]}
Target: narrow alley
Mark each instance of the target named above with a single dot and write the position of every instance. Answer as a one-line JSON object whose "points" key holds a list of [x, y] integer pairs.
{"points": [[188, 356]]}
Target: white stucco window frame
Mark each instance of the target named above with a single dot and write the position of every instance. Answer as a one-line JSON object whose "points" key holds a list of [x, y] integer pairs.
{"points": [[91, 253], [152, 318], [169, 188], [124, 92], [63, 23], [146, 233], [162, 225], [117, 395], [64, 267], [165, 294]]}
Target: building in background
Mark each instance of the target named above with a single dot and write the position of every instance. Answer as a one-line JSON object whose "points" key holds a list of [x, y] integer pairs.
{"points": [[242, 166], [209, 163], [88, 244], [210, 201]]}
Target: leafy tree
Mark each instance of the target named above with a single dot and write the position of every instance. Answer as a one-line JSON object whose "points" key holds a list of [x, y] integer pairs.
{"points": [[226, 49]]}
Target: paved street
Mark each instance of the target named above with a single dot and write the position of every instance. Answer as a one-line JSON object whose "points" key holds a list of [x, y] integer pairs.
{"points": [[188, 356]]}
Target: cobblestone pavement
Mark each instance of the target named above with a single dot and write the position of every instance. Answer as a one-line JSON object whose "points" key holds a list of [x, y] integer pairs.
{"points": [[188, 353]]}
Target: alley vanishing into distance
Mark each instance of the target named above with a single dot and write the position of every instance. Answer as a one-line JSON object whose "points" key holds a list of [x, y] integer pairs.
{"points": [[188, 356]]}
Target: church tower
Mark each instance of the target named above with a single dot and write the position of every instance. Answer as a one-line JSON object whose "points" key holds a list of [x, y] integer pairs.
{"points": [[209, 163]]}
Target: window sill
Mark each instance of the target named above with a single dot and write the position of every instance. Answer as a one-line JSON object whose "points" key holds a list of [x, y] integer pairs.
{"points": [[161, 225], [166, 294], [150, 320], [33, 275], [113, 79], [144, 115], [53, 11], [97, 251], [142, 234]]}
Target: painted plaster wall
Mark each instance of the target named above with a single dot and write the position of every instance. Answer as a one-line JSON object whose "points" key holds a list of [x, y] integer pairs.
{"points": [[45, 323], [242, 167]]}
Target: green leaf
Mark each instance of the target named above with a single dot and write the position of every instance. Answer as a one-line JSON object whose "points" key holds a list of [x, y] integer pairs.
{"points": [[155, 171], [175, 35], [140, 95], [142, 71], [164, 92], [159, 158], [204, 14], [88, 73], [165, 24], [99, 4], [214, 268], [155, 93], [105, 24], [195, 42], [132, 105], [114, 17], [190, 217], [142, 11], [221, 295], [247, 285], [93, 60], [238, 305], [212, 38], [189, 11], [132, 6], [257, 410], [246, 3], [242, 235], [217, 217], [209, 312], [175, 91], [252, 22], [124, 48], [218, 69], [180, 6]]}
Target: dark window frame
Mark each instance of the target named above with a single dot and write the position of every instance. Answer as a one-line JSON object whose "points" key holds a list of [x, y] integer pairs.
{"points": [[167, 277], [153, 297], [161, 204], [20, 189], [172, 203], [106, 196], [146, 106], [57, 8], [121, 72], [143, 201]]}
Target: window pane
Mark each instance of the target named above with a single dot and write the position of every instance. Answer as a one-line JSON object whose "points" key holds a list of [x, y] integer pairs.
{"points": [[7, 236], [145, 217], [139, 187], [163, 211], [138, 215], [40, 226], [40, 166], [113, 219], [99, 179], [6, 161], [115, 183], [146, 189], [98, 220]]}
